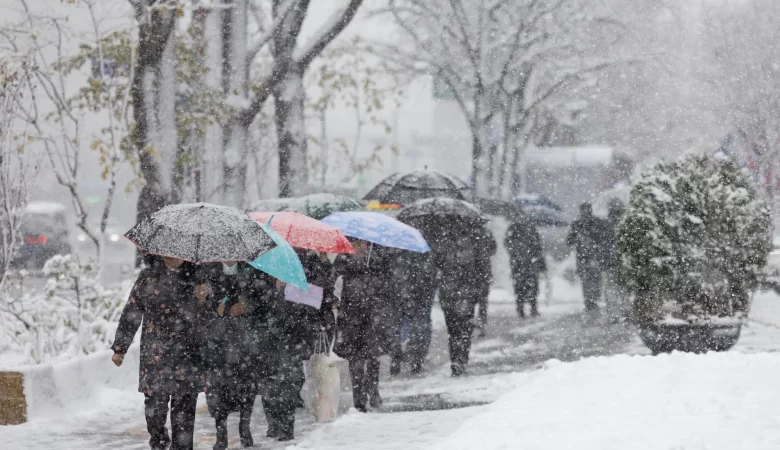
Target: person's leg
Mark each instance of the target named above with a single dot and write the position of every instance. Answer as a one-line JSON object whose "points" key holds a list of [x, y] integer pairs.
{"points": [[372, 382], [533, 295], [156, 412], [270, 417], [396, 344], [451, 322], [244, 425], [183, 420], [357, 374], [292, 383], [519, 288], [590, 288], [220, 421]]}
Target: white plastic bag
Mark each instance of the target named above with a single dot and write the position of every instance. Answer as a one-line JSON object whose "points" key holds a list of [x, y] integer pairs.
{"points": [[325, 381]]}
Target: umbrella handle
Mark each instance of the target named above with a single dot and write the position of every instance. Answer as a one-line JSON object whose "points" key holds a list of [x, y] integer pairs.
{"points": [[270, 219], [370, 248]]}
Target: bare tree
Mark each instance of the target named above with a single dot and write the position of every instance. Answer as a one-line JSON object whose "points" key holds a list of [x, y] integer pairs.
{"points": [[17, 163], [743, 42], [502, 61], [57, 111]]}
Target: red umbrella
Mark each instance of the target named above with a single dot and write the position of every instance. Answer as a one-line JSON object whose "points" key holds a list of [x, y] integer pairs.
{"points": [[304, 232]]}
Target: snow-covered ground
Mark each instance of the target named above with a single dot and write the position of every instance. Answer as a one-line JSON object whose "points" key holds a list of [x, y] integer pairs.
{"points": [[608, 394]]}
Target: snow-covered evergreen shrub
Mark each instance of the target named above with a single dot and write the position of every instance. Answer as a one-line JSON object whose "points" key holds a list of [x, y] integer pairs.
{"points": [[75, 314], [694, 240]]}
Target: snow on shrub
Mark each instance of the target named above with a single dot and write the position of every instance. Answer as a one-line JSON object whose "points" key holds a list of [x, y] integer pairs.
{"points": [[694, 240], [75, 314]]}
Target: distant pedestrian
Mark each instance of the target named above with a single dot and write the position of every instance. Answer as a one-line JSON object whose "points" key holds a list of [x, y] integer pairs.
{"points": [[526, 260], [365, 321], [163, 300], [588, 235]]}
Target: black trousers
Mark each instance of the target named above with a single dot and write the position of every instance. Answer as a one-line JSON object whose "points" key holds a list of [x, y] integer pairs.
{"points": [[526, 291], [182, 419], [283, 395], [458, 315], [417, 312], [364, 374], [591, 287]]}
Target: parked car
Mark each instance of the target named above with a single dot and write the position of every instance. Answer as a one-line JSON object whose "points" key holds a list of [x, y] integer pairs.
{"points": [[44, 234]]}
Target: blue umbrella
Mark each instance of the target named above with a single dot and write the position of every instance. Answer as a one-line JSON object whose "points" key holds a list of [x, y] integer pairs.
{"points": [[379, 229], [281, 262]]}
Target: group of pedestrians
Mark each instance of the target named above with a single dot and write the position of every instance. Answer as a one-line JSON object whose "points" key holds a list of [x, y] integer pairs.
{"points": [[226, 329]]}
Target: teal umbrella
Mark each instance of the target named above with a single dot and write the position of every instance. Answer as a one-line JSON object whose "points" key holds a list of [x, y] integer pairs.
{"points": [[281, 262]]}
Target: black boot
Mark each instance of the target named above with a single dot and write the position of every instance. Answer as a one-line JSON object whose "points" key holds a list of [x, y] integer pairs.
{"points": [[244, 430], [395, 367], [287, 428], [273, 429], [417, 368], [458, 369], [534, 310], [222, 436]]}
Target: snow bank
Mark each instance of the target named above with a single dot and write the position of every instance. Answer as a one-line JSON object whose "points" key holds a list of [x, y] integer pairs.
{"points": [[716, 401], [57, 389]]}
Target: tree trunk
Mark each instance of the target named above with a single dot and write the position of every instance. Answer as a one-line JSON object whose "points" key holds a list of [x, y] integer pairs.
{"points": [[291, 134], [234, 160], [154, 33]]}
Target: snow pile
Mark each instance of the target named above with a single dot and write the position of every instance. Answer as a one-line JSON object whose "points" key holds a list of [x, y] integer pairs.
{"points": [[83, 383], [718, 400]]}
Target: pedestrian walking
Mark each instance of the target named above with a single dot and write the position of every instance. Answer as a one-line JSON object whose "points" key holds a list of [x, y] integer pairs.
{"points": [[291, 332], [226, 347], [163, 303], [526, 260], [365, 320], [588, 236], [461, 285], [414, 276]]}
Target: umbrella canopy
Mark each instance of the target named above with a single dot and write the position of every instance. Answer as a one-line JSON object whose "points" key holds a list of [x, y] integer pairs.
{"points": [[316, 206], [201, 233], [379, 229], [304, 232], [281, 262], [407, 187], [441, 207]]}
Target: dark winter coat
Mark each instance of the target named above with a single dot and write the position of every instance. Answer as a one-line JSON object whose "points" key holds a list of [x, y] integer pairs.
{"points": [[524, 245], [163, 302], [366, 314], [229, 344], [485, 248], [589, 235]]}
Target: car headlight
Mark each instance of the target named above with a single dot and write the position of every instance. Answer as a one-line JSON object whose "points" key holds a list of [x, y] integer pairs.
{"points": [[114, 237]]}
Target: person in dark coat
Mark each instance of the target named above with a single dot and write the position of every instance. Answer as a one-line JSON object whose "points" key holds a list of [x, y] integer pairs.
{"points": [[461, 285], [291, 332], [226, 348], [365, 321], [483, 273], [319, 272], [526, 260], [414, 276], [163, 303], [588, 235]]}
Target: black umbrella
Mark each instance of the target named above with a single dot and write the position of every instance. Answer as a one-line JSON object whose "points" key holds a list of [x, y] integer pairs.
{"points": [[441, 207], [408, 187], [201, 233]]}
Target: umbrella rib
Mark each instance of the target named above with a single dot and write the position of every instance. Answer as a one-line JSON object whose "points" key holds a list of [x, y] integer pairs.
{"points": [[197, 248]]}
